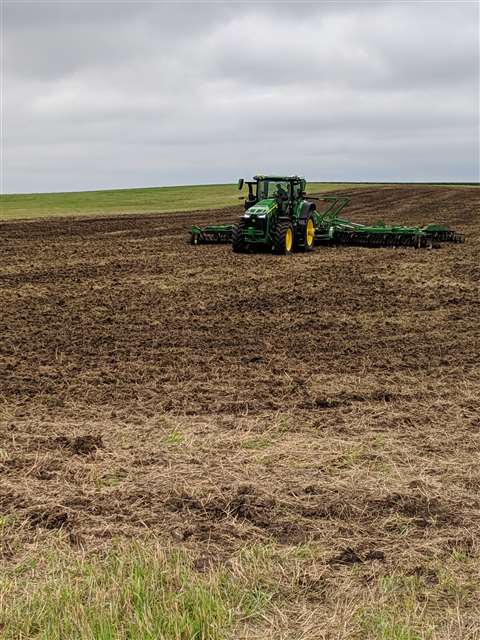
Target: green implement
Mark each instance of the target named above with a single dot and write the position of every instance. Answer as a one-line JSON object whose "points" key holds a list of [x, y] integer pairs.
{"points": [[212, 235], [279, 217], [332, 229]]}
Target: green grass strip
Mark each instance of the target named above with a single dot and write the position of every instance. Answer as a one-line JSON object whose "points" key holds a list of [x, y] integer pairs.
{"points": [[124, 201]]}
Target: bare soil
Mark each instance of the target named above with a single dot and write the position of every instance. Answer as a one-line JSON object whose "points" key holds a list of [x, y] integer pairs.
{"points": [[214, 399]]}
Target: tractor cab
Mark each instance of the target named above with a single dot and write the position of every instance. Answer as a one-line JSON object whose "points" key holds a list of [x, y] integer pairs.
{"points": [[285, 191], [273, 189]]}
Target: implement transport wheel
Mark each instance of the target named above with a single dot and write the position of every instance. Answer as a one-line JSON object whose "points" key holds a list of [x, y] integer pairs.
{"points": [[194, 238], [309, 239], [283, 239], [238, 239]]}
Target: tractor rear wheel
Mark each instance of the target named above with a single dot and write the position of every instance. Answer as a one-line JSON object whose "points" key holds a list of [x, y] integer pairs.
{"points": [[238, 238], [283, 239], [309, 237]]}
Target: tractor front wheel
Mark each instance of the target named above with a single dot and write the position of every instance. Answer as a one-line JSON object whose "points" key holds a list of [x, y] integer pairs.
{"points": [[283, 239], [238, 239]]}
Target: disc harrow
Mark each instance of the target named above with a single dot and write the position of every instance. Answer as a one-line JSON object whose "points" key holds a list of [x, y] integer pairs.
{"points": [[332, 229]]}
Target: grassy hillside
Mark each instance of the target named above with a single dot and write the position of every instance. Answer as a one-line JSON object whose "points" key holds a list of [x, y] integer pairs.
{"points": [[159, 199]]}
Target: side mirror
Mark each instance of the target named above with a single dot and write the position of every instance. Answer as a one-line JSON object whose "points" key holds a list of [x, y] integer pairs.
{"points": [[240, 184]]}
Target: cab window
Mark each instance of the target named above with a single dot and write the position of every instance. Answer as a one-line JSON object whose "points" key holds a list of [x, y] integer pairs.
{"points": [[297, 190], [270, 188]]}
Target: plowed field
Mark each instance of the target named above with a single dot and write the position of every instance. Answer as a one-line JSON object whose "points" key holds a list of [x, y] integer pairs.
{"points": [[215, 400]]}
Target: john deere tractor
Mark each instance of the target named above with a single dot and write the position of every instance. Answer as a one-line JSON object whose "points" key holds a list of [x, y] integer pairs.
{"points": [[276, 217]]}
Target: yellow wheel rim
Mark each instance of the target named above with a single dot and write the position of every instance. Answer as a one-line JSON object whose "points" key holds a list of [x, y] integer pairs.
{"points": [[310, 232], [288, 240]]}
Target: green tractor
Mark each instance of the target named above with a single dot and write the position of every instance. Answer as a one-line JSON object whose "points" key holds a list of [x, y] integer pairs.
{"points": [[277, 216]]}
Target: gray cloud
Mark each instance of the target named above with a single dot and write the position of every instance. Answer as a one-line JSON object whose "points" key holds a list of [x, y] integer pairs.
{"points": [[108, 94]]}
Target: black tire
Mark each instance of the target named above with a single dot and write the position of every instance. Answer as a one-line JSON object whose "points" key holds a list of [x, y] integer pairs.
{"points": [[238, 239], [283, 239]]}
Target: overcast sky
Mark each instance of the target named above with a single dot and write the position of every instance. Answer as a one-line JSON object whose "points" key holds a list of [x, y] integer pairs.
{"points": [[123, 94]]}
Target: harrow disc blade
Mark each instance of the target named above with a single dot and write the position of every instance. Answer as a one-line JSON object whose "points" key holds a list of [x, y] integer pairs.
{"points": [[211, 236], [441, 233], [217, 237], [387, 239], [447, 236]]}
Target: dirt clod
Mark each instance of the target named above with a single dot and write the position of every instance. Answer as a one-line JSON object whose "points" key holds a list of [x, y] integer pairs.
{"points": [[80, 445], [346, 556], [54, 519]]}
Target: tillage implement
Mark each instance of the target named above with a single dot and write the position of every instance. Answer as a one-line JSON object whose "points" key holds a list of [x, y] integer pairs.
{"points": [[279, 218]]}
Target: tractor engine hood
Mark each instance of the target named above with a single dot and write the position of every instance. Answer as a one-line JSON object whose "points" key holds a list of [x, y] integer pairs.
{"points": [[261, 209]]}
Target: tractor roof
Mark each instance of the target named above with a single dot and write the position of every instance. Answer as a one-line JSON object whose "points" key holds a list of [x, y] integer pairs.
{"points": [[280, 178]]}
